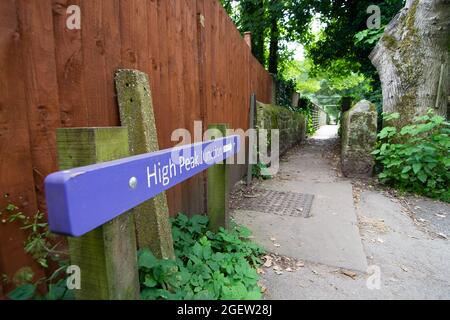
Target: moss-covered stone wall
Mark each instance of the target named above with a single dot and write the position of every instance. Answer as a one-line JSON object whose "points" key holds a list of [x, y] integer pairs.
{"points": [[359, 135], [292, 125]]}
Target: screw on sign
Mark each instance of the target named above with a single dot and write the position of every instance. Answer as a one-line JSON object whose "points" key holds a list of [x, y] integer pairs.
{"points": [[82, 199]]}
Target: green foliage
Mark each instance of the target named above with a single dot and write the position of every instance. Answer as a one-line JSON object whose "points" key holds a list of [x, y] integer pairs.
{"points": [[284, 90], [39, 245], [306, 107], [344, 22], [258, 171], [28, 291], [272, 23], [416, 158], [369, 36], [310, 130], [325, 88], [207, 266], [344, 44]]}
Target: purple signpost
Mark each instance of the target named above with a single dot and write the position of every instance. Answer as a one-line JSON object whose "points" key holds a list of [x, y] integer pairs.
{"points": [[82, 199]]}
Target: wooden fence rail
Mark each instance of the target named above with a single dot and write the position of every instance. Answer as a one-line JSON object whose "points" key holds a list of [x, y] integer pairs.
{"points": [[51, 77]]}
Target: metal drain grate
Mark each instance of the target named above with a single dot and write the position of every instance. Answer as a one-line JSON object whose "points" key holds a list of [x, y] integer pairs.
{"points": [[280, 203]]}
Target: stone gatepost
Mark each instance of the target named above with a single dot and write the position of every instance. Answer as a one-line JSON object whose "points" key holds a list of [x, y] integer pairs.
{"points": [[359, 135]]}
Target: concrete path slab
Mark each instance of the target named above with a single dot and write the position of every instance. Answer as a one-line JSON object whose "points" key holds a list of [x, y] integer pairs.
{"points": [[330, 236]]}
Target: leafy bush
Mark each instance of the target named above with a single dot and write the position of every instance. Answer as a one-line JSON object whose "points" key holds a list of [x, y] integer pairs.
{"points": [[55, 291], [208, 265], [416, 158], [284, 90], [305, 106]]}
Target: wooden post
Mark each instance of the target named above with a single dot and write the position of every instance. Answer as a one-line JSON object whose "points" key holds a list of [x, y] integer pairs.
{"points": [[153, 226], [218, 188], [250, 147], [107, 255], [248, 39], [273, 100]]}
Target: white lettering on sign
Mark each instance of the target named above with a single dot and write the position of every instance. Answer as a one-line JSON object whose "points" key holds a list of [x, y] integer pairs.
{"points": [[161, 174], [228, 148], [190, 163]]}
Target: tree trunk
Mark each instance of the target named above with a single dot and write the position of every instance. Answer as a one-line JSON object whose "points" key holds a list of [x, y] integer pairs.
{"points": [[253, 19], [275, 15], [412, 59], [274, 47], [259, 37]]}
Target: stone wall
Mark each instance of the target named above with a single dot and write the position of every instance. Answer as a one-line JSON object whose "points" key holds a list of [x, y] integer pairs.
{"points": [[319, 116], [292, 125], [359, 134]]}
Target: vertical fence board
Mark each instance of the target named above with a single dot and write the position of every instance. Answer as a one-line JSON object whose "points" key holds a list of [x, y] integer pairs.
{"points": [[101, 44], [41, 97], [69, 68], [16, 162]]}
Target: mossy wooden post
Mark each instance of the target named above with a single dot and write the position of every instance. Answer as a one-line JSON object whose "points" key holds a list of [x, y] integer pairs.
{"points": [[107, 255], [153, 226], [218, 187], [251, 148]]}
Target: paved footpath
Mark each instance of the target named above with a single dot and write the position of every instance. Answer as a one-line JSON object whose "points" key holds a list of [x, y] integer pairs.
{"points": [[354, 242]]}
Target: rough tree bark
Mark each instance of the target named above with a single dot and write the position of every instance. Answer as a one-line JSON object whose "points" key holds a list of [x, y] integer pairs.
{"points": [[274, 46], [412, 59]]}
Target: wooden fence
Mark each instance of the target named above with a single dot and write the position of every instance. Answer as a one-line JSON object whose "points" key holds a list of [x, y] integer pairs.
{"points": [[200, 68]]}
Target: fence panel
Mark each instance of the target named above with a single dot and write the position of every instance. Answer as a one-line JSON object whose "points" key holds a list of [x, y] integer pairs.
{"points": [[200, 68]]}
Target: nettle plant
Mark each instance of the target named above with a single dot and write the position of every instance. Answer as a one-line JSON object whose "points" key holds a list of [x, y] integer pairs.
{"points": [[208, 265], [416, 158], [40, 244]]}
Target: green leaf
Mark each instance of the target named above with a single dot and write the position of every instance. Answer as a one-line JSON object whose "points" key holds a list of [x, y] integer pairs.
{"points": [[150, 294], [422, 177], [383, 175], [57, 291], [417, 167], [146, 259], [387, 132], [391, 116], [197, 250], [446, 162], [150, 282], [406, 169], [254, 295], [23, 292]]}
